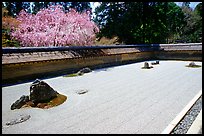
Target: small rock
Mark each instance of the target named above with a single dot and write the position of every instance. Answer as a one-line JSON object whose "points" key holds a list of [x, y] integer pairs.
{"points": [[192, 64], [20, 120], [82, 92], [155, 63], [20, 102], [84, 70]]}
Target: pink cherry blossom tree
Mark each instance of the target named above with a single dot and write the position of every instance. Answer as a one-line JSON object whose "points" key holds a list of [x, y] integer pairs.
{"points": [[54, 27]]}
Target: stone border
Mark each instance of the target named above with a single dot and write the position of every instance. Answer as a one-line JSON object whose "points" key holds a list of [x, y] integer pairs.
{"points": [[178, 118], [196, 127]]}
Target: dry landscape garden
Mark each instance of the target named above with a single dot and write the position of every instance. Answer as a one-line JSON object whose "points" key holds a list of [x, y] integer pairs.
{"points": [[120, 67]]}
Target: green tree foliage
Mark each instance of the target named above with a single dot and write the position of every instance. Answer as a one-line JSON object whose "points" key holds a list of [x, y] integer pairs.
{"points": [[186, 4], [37, 6], [2, 5], [175, 22], [192, 31], [198, 9], [10, 8], [7, 23], [139, 22], [15, 7], [80, 6], [133, 22], [198, 31]]}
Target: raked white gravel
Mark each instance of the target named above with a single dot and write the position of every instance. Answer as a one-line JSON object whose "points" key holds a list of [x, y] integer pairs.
{"points": [[122, 99]]}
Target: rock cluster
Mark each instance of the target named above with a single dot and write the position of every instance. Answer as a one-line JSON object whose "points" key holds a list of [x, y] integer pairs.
{"points": [[40, 91], [155, 63]]}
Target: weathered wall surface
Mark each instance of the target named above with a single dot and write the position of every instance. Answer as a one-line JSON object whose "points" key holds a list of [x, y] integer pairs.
{"points": [[36, 69], [17, 67], [191, 52], [179, 55]]}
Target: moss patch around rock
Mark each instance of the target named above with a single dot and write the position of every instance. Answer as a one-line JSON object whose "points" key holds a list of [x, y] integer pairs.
{"points": [[72, 75], [52, 103], [194, 66]]}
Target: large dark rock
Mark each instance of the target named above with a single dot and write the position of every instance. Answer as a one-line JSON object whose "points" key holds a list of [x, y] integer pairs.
{"points": [[20, 102], [84, 70], [40, 91]]}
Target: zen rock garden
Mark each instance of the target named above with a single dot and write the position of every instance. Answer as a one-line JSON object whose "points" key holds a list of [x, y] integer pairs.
{"points": [[41, 96]]}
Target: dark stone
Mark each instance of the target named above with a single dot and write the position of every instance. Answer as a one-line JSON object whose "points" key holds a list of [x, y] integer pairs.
{"points": [[40, 91], [146, 66], [192, 64], [155, 63], [82, 92], [20, 102], [84, 70]]}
